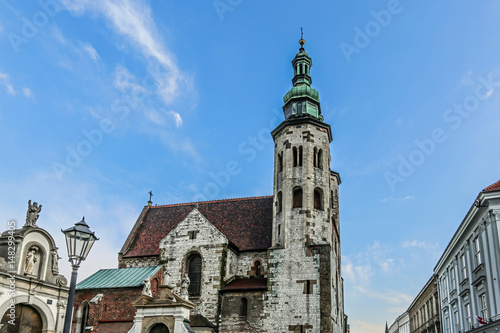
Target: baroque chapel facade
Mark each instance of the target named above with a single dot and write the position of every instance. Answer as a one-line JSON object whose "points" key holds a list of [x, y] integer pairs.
{"points": [[261, 264]]}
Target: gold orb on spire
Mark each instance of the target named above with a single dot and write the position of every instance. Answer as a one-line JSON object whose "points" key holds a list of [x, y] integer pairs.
{"points": [[301, 41]]}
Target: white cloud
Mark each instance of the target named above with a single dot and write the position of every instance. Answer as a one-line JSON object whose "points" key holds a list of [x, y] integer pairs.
{"points": [[91, 52], [390, 296], [5, 80], [391, 199], [133, 20], [177, 118], [127, 83], [419, 244], [357, 275], [27, 92]]}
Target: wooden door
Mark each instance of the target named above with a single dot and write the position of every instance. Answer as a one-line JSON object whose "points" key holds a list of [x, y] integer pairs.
{"points": [[27, 320]]}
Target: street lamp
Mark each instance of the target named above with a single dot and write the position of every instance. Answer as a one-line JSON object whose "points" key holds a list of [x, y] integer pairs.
{"points": [[79, 241]]}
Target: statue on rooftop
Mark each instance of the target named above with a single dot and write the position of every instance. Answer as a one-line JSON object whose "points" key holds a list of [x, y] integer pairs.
{"points": [[32, 214]]}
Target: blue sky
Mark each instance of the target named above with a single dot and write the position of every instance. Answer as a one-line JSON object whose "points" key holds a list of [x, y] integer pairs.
{"points": [[103, 101]]}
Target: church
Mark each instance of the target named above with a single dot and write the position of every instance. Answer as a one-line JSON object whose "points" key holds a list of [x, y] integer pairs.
{"points": [[259, 264]]}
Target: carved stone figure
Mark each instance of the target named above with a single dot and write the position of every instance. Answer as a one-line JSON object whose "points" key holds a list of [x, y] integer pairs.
{"points": [[30, 260], [184, 287], [32, 214], [147, 287], [55, 259], [166, 276]]}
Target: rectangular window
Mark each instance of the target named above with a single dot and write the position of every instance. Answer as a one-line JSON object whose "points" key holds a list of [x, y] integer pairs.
{"points": [[457, 322], [467, 313], [445, 287], [448, 324], [484, 308], [452, 274], [464, 267], [477, 251]]}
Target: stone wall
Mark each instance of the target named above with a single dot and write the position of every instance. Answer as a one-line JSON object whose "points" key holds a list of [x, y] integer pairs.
{"points": [[212, 245], [232, 318], [305, 286]]}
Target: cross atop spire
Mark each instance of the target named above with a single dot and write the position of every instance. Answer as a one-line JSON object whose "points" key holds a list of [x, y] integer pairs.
{"points": [[150, 195], [301, 41]]}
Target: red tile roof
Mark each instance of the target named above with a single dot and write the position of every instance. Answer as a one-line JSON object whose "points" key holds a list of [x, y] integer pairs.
{"points": [[246, 222], [493, 187], [246, 284]]}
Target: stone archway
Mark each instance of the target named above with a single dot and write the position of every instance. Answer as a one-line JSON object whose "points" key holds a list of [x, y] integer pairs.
{"points": [[27, 320], [159, 328]]}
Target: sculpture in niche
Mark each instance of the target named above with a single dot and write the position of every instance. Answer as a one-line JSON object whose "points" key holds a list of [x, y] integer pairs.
{"points": [[147, 287], [32, 214], [55, 259], [184, 287], [30, 260]]}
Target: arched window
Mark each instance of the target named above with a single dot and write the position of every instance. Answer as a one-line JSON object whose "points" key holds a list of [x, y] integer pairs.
{"points": [[315, 157], [279, 203], [297, 197], [244, 307], [85, 317], [297, 156], [318, 199], [258, 268], [194, 274]]}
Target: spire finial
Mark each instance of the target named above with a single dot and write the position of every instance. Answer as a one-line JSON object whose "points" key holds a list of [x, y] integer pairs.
{"points": [[301, 41], [150, 195]]}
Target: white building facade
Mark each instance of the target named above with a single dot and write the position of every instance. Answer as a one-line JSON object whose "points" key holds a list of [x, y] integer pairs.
{"points": [[33, 294], [468, 271]]}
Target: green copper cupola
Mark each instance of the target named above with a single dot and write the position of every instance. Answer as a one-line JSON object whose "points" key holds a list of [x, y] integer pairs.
{"points": [[302, 100]]}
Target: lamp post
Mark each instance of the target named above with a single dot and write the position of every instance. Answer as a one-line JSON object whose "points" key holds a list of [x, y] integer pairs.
{"points": [[79, 241]]}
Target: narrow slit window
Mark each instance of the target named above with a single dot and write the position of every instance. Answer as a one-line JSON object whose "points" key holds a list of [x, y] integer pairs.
{"points": [[244, 307], [279, 203], [280, 162], [300, 156], [320, 159]]}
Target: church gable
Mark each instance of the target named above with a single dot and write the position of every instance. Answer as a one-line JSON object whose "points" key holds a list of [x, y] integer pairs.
{"points": [[194, 231]]}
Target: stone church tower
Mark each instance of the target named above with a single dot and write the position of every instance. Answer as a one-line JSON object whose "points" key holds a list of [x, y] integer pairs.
{"points": [[305, 286], [256, 264]]}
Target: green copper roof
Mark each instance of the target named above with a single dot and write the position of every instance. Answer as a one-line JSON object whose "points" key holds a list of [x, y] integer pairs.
{"points": [[302, 100], [301, 91], [117, 278]]}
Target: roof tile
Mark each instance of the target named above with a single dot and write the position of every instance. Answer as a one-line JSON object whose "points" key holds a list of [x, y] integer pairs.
{"points": [[246, 284], [246, 222], [493, 187]]}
